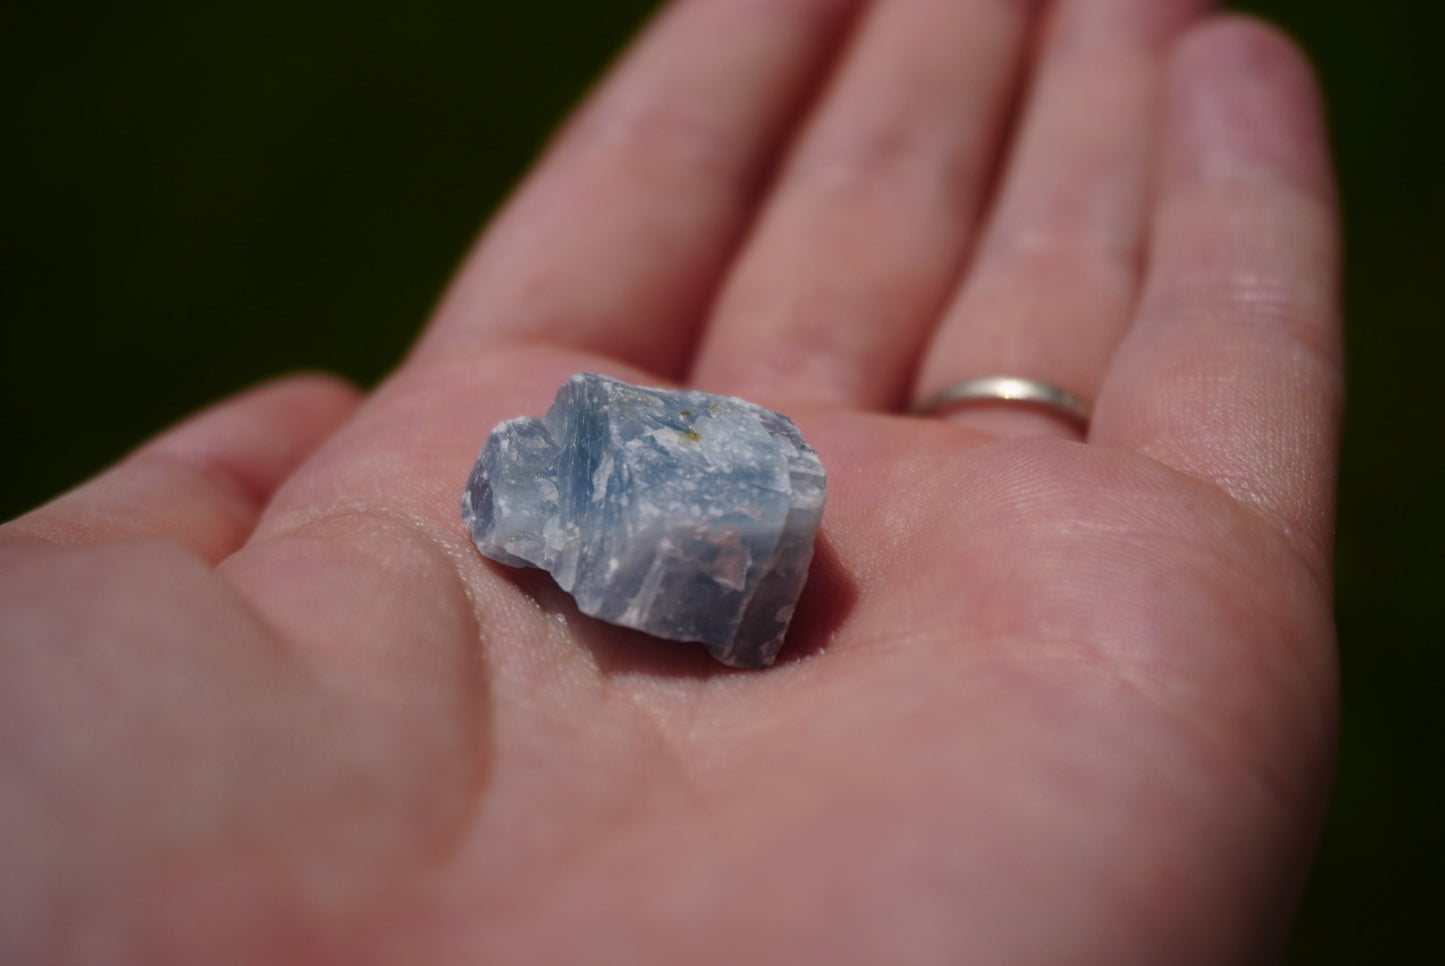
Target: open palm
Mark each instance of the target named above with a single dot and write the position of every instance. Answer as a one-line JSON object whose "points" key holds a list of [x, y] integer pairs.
{"points": [[1047, 699]]}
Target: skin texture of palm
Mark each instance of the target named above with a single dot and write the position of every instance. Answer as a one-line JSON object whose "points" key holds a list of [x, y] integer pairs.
{"points": [[1046, 699]]}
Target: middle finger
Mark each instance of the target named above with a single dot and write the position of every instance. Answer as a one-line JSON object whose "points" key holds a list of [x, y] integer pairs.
{"points": [[858, 245]]}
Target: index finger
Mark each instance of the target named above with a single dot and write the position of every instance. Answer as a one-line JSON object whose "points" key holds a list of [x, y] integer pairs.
{"points": [[615, 243]]}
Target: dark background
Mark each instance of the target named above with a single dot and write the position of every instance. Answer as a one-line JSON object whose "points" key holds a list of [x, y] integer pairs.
{"points": [[194, 196]]}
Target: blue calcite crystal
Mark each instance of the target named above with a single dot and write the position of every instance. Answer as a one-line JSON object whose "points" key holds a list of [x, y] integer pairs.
{"points": [[683, 514]]}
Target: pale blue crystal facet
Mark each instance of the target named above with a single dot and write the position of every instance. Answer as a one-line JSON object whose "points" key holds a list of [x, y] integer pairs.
{"points": [[686, 515]]}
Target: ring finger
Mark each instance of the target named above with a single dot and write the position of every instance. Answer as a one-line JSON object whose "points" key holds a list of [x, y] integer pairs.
{"points": [[1058, 267]]}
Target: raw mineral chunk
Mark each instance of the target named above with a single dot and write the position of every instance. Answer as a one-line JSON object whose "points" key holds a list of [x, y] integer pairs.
{"points": [[686, 515]]}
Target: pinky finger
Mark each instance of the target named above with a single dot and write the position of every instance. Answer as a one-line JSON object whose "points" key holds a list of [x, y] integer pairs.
{"points": [[1233, 371], [204, 482]]}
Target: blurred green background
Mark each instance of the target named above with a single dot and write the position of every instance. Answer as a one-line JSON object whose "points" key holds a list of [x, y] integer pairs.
{"points": [[196, 196]]}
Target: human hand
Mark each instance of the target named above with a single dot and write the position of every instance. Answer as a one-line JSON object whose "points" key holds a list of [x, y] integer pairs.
{"points": [[1047, 699]]}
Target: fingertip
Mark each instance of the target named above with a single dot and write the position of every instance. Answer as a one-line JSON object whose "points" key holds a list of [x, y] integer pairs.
{"points": [[1244, 103], [1105, 23], [256, 438], [204, 482], [311, 387], [1240, 42]]}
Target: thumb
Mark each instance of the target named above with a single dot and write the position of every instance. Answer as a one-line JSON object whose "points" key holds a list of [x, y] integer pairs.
{"points": [[204, 482]]}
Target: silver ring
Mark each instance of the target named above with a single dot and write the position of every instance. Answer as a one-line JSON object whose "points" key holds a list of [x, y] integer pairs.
{"points": [[994, 389]]}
